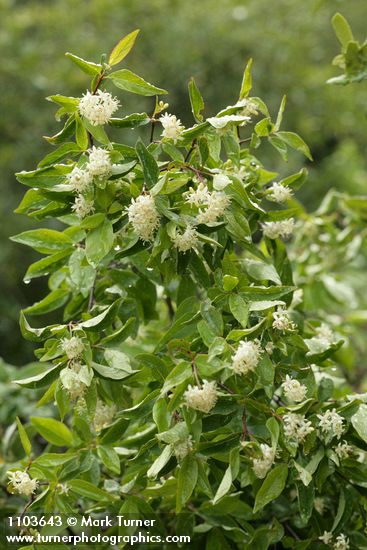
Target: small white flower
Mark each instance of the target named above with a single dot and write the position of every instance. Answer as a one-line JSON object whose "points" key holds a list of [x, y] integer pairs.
{"points": [[21, 483], [319, 505], [217, 204], [341, 542], [182, 448], [75, 379], [99, 164], [172, 127], [294, 390], [73, 347], [331, 423], [343, 450], [269, 348], [249, 107], [220, 181], [326, 537], [82, 206], [202, 398], [79, 179], [297, 298], [296, 427], [222, 121], [62, 488], [144, 217], [186, 240], [103, 415], [261, 466], [198, 196], [325, 334], [246, 357], [279, 193], [282, 321], [98, 108], [274, 230]]}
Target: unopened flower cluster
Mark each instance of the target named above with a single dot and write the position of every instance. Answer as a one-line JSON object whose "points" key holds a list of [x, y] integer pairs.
{"points": [[103, 415]]}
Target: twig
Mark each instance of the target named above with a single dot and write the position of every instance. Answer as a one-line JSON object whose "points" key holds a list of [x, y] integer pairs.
{"points": [[193, 145], [244, 426], [91, 295]]}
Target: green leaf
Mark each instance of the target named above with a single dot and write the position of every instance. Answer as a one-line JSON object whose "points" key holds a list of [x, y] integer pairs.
{"points": [[45, 241], [48, 265], [239, 309], [230, 282], [81, 134], [102, 320], [148, 163], [99, 242], [32, 334], [186, 482], [130, 121], [224, 486], [342, 30], [359, 421], [246, 81], [262, 271], [279, 119], [130, 82], [196, 100], [109, 458], [65, 150], [271, 487], [53, 431], [86, 66], [26, 444], [88, 490], [160, 462], [122, 48], [296, 142], [54, 300]]}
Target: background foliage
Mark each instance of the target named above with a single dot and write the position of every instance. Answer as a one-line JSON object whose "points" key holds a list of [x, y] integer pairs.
{"points": [[292, 51]]}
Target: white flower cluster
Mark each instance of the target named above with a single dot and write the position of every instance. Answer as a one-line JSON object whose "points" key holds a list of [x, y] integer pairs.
{"points": [[341, 541], [99, 164], [172, 127], [296, 427], [216, 205], [75, 379], [279, 193], [183, 447], [331, 423], [282, 321], [143, 216], [103, 415], [246, 357], [186, 240], [198, 196], [21, 483], [294, 390], [325, 334], [274, 230], [343, 450], [202, 398], [79, 179], [220, 181], [261, 466], [73, 347], [99, 107], [82, 206]]}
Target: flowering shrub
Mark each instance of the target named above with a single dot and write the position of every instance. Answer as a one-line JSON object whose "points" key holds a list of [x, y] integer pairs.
{"points": [[186, 372]]}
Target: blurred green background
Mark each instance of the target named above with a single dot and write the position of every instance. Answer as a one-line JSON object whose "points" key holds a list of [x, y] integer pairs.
{"points": [[292, 44]]}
